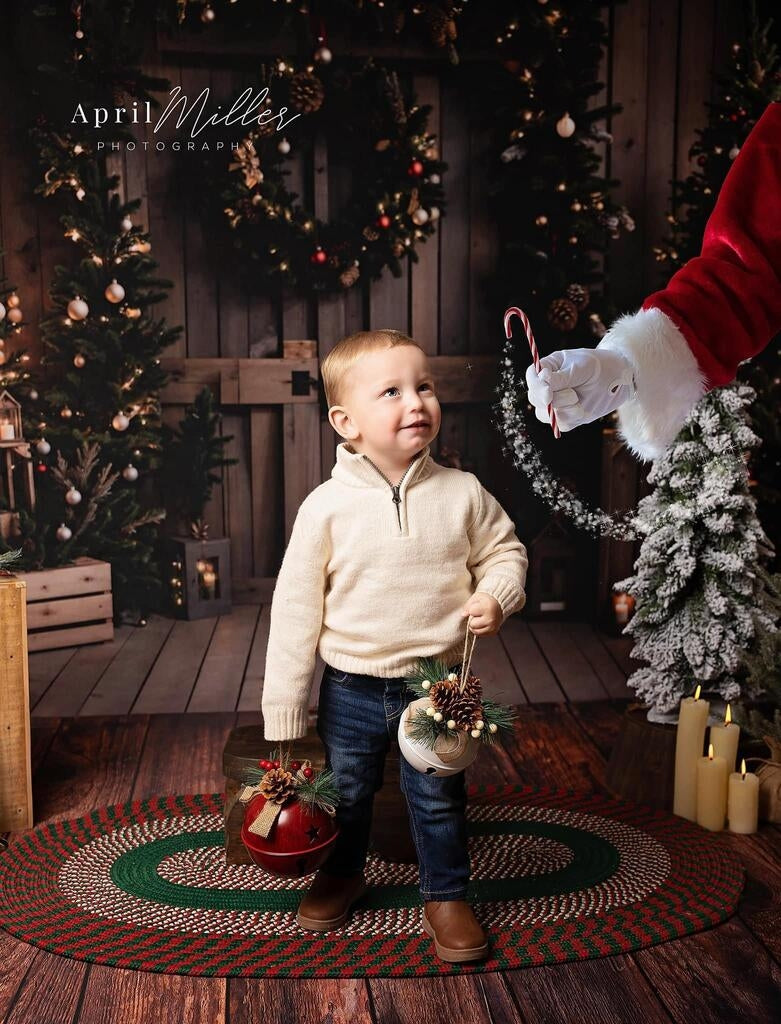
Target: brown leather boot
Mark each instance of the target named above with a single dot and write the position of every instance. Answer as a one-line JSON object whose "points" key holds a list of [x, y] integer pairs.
{"points": [[455, 930], [329, 900]]}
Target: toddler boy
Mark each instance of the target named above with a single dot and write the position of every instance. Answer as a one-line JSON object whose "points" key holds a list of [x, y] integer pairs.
{"points": [[380, 571]]}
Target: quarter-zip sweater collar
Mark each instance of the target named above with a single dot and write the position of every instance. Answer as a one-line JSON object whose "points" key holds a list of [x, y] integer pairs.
{"points": [[358, 470]]}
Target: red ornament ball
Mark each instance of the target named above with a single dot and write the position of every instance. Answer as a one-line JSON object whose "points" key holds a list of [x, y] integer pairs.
{"points": [[299, 842], [384, 221], [41, 468], [295, 765], [701, 160], [319, 256], [415, 169], [308, 773]]}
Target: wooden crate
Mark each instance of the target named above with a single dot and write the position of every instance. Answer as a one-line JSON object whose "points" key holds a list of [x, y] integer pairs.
{"points": [[16, 795], [69, 606]]}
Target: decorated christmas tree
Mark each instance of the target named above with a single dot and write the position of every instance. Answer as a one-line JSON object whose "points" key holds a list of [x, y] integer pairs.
{"points": [[705, 600]]}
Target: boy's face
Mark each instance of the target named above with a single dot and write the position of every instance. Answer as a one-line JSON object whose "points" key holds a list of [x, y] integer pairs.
{"points": [[390, 409]]}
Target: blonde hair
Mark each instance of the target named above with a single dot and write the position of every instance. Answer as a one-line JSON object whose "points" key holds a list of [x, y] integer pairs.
{"points": [[348, 351]]}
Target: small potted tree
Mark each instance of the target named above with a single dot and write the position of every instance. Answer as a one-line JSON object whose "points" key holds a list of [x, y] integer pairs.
{"points": [[197, 566]]}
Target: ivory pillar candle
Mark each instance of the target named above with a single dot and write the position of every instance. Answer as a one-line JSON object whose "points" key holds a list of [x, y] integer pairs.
{"points": [[711, 791], [689, 739], [6, 431], [724, 737], [743, 801]]}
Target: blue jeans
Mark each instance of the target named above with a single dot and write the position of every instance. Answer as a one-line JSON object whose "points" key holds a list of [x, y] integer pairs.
{"points": [[357, 718]]}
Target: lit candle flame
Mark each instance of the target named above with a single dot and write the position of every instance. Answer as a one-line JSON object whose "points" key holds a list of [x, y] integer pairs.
{"points": [[710, 751], [743, 767], [728, 716], [697, 692]]}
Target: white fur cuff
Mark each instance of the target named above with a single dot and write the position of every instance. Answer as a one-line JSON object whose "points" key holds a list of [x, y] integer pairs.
{"points": [[668, 379]]}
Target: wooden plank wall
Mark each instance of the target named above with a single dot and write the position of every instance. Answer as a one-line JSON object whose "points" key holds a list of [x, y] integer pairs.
{"points": [[659, 65]]}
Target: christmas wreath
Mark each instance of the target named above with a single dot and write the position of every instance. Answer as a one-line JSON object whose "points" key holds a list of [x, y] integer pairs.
{"points": [[395, 199]]}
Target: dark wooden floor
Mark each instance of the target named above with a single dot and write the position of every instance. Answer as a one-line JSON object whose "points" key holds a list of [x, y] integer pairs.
{"points": [[81, 761]]}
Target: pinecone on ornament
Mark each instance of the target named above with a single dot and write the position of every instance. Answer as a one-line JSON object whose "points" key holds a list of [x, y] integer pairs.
{"points": [[578, 294], [277, 785], [349, 276], [462, 708], [562, 315], [306, 92]]}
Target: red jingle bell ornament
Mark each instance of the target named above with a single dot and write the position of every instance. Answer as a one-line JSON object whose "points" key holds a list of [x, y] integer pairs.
{"points": [[289, 820]]}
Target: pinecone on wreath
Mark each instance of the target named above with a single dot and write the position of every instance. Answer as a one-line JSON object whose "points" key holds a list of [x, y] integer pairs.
{"points": [[562, 315], [578, 294], [306, 92]]}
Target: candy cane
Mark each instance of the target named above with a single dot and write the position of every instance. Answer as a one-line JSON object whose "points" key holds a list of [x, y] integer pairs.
{"points": [[535, 354]]}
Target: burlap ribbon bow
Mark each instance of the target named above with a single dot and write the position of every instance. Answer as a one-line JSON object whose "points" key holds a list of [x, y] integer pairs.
{"points": [[264, 822]]}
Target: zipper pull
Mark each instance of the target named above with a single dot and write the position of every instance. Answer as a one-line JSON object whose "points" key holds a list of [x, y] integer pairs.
{"points": [[396, 496]]}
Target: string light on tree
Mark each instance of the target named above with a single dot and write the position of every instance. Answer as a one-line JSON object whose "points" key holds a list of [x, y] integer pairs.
{"points": [[15, 315]]}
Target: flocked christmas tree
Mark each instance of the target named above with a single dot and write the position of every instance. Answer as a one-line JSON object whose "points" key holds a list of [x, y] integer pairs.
{"points": [[705, 600]]}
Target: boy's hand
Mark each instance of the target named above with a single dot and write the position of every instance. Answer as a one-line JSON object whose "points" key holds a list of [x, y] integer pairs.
{"points": [[486, 614]]}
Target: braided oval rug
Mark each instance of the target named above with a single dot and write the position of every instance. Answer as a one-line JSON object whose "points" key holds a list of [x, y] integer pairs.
{"points": [[555, 876]]}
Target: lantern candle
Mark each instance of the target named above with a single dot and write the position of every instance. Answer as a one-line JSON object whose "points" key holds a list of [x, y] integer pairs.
{"points": [[6, 430], [209, 577], [689, 739], [743, 801], [711, 791], [724, 738]]}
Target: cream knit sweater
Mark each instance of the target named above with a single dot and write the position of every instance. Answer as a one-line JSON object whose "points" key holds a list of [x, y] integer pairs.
{"points": [[374, 584]]}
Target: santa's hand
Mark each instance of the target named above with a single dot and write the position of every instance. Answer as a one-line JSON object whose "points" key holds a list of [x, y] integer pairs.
{"points": [[582, 384]]}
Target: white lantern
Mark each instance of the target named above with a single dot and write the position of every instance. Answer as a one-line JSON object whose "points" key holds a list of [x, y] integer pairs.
{"points": [[457, 752]]}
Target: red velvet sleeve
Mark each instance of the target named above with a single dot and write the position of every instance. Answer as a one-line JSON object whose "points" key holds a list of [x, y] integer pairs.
{"points": [[727, 301]]}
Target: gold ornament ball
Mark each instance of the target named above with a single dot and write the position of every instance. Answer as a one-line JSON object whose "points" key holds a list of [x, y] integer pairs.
{"points": [[2, 357], [15, 315], [78, 309], [114, 292], [66, 413], [565, 126], [541, 221], [13, 300], [79, 360]]}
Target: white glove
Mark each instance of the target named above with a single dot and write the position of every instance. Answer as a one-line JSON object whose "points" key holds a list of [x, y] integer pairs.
{"points": [[583, 384]]}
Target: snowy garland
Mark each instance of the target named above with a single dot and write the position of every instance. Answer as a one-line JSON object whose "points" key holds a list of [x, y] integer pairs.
{"points": [[527, 458]]}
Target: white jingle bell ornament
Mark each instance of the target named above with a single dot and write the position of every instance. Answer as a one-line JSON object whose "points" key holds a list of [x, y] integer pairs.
{"points": [[120, 422], [130, 472], [64, 532], [43, 447], [78, 309], [73, 497], [114, 292]]}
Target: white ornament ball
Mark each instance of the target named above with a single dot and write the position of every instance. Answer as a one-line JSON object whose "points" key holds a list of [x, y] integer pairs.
{"points": [[2, 311], [453, 678], [33, 395], [323, 55], [114, 292], [130, 472], [66, 412], [73, 497], [43, 447], [475, 734], [15, 315], [420, 216], [565, 126], [120, 422], [734, 152], [493, 727], [434, 179], [451, 724], [127, 224], [64, 532], [437, 716], [433, 213], [79, 360], [283, 146], [78, 309], [426, 685], [208, 14]]}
